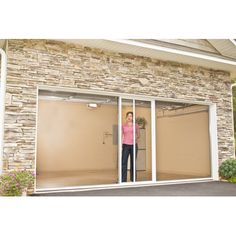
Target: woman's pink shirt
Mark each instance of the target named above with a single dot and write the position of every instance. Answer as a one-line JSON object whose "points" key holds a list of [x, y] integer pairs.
{"points": [[127, 134]]}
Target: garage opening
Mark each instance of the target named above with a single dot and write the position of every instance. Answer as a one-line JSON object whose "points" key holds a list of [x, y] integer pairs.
{"points": [[80, 140]]}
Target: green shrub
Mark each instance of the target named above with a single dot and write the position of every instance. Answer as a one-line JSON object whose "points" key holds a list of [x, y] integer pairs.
{"points": [[14, 182], [232, 180], [9, 186], [227, 169]]}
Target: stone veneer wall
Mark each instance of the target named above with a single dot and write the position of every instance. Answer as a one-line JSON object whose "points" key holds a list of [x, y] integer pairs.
{"points": [[47, 62]]}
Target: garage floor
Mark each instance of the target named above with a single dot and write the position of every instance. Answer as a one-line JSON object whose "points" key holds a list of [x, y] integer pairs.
{"points": [[213, 188], [79, 178]]}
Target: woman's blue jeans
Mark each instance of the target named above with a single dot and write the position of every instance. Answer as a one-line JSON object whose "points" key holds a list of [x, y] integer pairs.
{"points": [[127, 150]]}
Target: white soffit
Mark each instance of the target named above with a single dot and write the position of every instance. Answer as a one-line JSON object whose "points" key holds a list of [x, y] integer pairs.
{"points": [[158, 52]]}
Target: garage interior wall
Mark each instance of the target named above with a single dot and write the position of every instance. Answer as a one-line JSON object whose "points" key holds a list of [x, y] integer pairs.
{"points": [[182, 141], [73, 137]]}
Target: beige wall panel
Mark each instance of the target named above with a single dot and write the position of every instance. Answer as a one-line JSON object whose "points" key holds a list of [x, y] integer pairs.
{"points": [[183, 144], [70, 137]]}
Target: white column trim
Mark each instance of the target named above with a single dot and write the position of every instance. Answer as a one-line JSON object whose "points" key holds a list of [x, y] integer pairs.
{"points": [[134, 142], [153, 133], [232, 108], [2, 103], [213, 142], [119, 140]]}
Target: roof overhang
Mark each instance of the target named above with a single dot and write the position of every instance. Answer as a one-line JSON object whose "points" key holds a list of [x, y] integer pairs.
{"points": [[159, 52], [227, 47], [2, 43]]}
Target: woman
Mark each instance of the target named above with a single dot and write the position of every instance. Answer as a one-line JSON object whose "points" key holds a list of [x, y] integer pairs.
{"points": [[128, 145]]}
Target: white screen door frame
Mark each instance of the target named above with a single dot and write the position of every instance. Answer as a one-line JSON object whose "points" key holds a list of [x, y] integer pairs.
{"points": [[153, 138]]}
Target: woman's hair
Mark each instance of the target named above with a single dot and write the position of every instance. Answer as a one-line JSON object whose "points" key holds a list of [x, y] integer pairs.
{"points": [[129, 112]]}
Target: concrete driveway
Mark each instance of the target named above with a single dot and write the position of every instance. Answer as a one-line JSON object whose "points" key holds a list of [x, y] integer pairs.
{"points": [[213, 188]]}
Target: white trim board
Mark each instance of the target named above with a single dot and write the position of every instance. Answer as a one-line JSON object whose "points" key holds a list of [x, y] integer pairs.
{"points": [[177, 51], [123, 95]]}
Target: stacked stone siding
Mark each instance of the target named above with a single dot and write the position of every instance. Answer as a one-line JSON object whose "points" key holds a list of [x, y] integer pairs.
{"points": [[47, 62]]}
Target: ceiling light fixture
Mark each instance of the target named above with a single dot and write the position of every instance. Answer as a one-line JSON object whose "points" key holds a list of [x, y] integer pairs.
{"points": [[92, 105]]}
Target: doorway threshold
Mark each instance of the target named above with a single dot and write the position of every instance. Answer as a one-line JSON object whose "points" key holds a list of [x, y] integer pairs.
{"points": [[118, 186]]}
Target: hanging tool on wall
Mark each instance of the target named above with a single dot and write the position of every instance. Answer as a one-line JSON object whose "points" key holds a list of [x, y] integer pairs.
{"points": [[105, 135]]}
